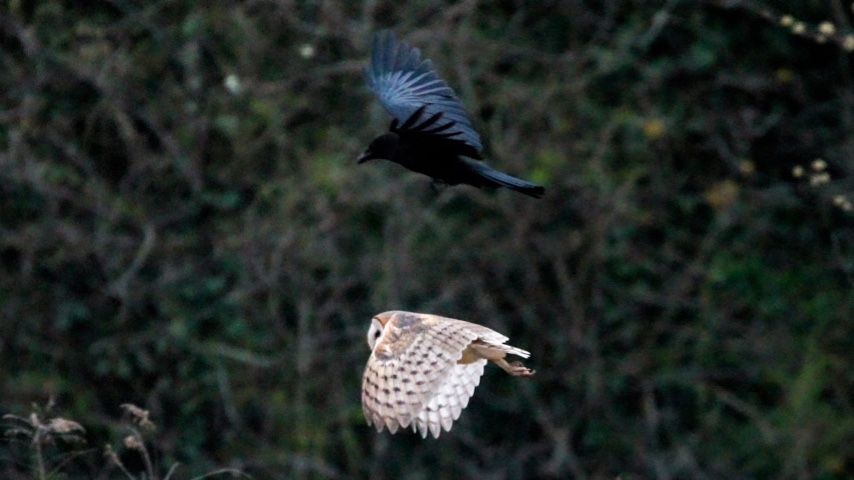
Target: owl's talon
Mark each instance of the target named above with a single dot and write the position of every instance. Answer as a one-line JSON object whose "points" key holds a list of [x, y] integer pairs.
{"points": [[519, 370]]}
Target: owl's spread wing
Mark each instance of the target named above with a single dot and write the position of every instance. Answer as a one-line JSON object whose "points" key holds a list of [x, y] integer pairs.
{"points": [[449, 401], [410, 367], [403, 84]]}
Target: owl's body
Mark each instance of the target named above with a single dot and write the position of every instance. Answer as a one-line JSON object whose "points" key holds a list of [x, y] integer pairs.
{"points": [[424, 368]]}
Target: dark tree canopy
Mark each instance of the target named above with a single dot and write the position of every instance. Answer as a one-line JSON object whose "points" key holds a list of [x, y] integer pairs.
{"points": [[186, 240]]}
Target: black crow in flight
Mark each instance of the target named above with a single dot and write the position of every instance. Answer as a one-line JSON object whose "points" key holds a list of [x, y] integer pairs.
{"points": [[430, 132]]}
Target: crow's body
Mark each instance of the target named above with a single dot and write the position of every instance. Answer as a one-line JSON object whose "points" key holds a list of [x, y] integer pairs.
{"points": [[430, 133]]}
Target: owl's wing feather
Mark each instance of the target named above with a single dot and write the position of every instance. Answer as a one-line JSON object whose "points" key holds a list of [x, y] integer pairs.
{"points": [[492, 339], [489, 350], [486, 334], [411, 361], [450, 399], [372, 405]]}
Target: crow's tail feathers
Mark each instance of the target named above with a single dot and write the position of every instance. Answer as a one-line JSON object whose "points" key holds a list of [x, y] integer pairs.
{"points": [[494, 178]]}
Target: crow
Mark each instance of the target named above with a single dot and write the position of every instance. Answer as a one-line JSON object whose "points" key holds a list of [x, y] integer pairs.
{"points": [[430, 132]]}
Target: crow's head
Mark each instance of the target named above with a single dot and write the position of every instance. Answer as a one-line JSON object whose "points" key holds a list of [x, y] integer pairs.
{"points": [[383, 146]]}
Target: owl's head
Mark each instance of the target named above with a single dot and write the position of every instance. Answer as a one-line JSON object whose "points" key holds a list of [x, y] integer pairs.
{"points": [[378, 323]]}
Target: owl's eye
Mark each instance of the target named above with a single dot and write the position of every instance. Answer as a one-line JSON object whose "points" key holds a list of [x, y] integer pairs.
{"points": [[374, 333]]}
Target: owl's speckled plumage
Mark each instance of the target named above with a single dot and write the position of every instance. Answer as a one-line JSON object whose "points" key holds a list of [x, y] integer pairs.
{"points": [[424, 368]]}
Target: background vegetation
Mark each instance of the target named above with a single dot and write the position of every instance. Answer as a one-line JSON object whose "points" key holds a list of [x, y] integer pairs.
{"points": [[183, 227]]}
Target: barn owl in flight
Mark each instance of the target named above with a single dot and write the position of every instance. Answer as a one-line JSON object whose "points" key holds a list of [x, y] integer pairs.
{"points": [[423, 369]]}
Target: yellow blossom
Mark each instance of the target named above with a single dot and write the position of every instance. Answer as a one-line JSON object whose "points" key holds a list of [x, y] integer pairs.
{"points": [[819, 179], [746, 167], [653, 128], [722, 195], [826, 28]]}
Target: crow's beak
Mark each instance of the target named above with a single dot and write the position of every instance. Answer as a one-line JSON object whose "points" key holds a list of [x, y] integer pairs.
{"points": [[365, 157]]}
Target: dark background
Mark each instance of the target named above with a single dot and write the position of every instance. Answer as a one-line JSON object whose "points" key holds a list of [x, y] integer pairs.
{"points": [[184, 227]]}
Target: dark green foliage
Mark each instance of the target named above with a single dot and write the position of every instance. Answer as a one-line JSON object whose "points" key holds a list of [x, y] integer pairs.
{"points": [[183, 227]]}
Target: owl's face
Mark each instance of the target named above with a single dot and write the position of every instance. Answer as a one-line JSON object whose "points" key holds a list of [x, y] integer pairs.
{"points": [[374, 332]]}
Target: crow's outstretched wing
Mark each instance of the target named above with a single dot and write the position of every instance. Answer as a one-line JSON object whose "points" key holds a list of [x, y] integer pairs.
{"points": [[404, 84]]}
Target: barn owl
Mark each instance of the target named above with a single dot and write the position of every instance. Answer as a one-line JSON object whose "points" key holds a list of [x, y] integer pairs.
{"points": [[423, 369]]}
